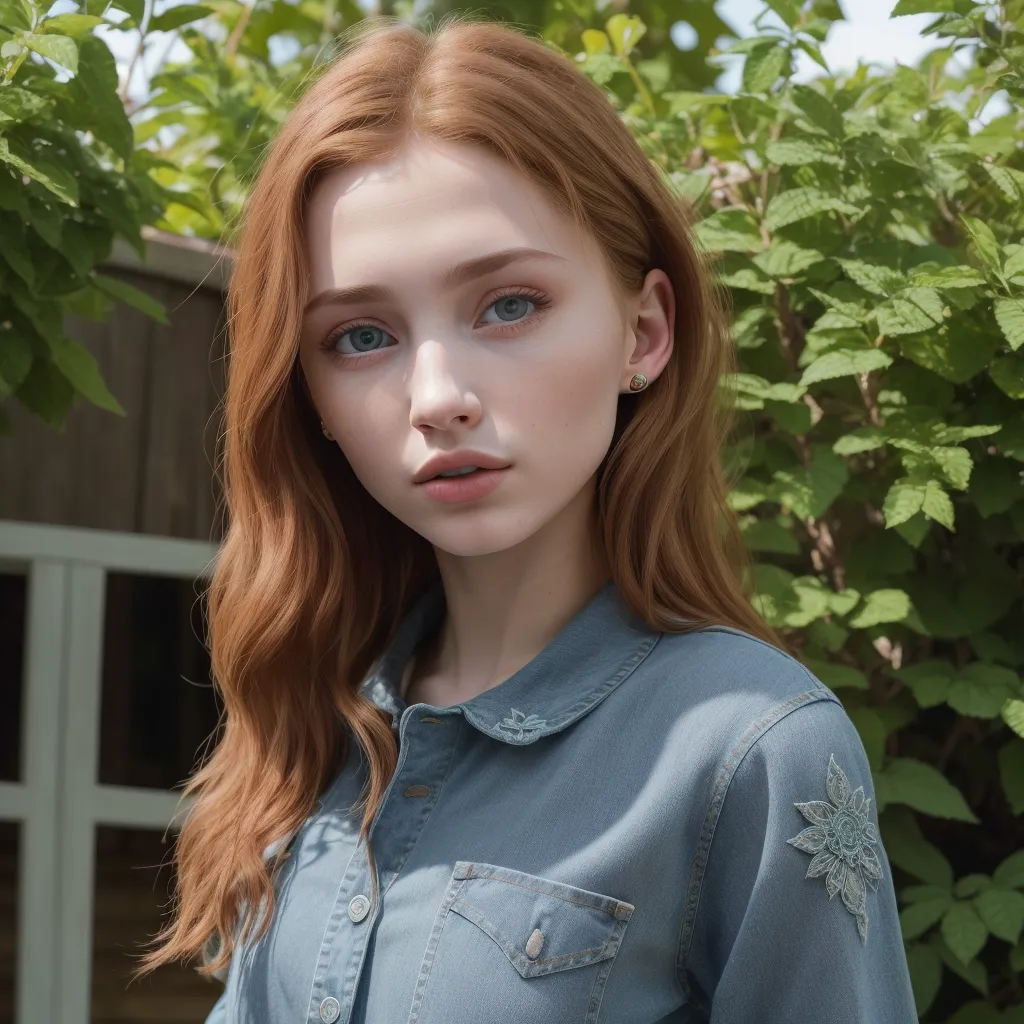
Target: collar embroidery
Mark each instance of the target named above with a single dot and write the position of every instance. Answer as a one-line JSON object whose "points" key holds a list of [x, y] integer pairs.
{"points": [[841, 837], [521, 726]]}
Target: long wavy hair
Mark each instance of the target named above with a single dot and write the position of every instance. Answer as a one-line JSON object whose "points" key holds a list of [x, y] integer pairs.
{"points": [[313, 576]]}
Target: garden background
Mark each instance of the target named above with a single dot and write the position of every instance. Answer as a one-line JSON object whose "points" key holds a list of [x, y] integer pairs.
{"points": [[868, 226]]}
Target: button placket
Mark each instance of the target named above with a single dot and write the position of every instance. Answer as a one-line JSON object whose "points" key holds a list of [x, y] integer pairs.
{"points": [[393, 835]]}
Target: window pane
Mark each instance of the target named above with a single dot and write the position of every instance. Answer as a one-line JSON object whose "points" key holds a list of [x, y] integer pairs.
{"points": [[9, 835], [13, 600], [158, 708], [132, 899]]}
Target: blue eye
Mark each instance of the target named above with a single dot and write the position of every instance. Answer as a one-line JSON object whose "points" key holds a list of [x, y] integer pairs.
{"points": [[511, 308], [365, 337]]}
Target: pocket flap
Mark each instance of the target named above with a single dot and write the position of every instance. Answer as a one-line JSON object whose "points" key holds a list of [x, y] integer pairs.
{"points": [[541, 925]]}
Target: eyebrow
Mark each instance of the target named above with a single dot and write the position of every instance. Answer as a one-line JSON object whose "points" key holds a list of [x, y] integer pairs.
{"points": [[470, 270]]}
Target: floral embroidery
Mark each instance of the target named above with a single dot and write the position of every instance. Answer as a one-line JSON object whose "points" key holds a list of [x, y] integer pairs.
{"points": [[522, 726], [841, 838]]}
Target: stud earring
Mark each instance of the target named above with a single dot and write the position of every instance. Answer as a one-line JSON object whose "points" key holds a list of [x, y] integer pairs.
{"points": [[638, 382], [325, 431]]}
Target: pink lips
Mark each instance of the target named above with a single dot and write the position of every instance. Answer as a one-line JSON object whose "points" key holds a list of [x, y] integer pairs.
{"points": [[472, 487]]}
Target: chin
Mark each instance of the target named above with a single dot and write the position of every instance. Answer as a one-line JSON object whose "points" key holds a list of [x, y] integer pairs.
{"points": [[484, 533]]}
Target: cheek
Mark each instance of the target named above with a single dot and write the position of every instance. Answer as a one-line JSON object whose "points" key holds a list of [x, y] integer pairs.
{"points": [[571, 417], [367, 436]]}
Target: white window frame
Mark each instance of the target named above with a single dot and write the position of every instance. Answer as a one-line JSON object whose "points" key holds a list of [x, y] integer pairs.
{"points": [[59, 801]]}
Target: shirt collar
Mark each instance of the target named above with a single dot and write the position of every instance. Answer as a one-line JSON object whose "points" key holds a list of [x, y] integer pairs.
{"points": [[589, 657]]}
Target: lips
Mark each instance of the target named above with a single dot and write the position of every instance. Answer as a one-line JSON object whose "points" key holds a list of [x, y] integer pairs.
{"points": [[457, 460]]}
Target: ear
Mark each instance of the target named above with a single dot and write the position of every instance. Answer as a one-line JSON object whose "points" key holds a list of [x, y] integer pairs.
{"points": [[652, 328]]}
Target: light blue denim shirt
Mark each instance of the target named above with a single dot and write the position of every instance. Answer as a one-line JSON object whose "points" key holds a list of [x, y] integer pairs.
{"points": [[635, 827]]}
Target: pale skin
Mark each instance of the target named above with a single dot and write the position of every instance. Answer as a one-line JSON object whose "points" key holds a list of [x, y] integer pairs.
{"points": [[443, 368]]}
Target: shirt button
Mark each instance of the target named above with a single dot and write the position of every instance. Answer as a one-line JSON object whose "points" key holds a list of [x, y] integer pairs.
{"points": [[330, 1010], [417, 791], [358, 908]]}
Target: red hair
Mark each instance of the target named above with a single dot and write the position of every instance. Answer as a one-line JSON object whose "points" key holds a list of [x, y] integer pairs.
{"points": [[313, 577]]}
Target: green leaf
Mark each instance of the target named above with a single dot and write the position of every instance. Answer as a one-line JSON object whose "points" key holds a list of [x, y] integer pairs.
{"points": [[948, 277], [1007, 374], [1013, 715], [70, 24], [1009, 181], [79, 366], [797, 152], [731, 230], [980, 689], [916, 919], [875, 278], [132, 296], [964, 931], [886, 605], [937, 504], [1014, 265], [922, 7], [911, 311], [956, 352], [747, 494], [837, 677], [768, 535], [922, 787], [61, 50], [863, 439], [928, 680], [843, 362], [798, 204], [809, 491], [985, 243], [1002, 911], [183, 14], [905, 498], [872, 731], [787, 10], [787, 259], [596, 41], [1010, 872], [59, 180], [971, 885], [763, 67], [818, 109], [909, 850], [1010, 317], [1011, 774], [925, 974], [624, 30], [975, 973]]}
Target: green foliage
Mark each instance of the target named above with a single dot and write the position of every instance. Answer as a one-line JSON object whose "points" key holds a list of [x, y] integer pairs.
{"points": [[869, 229], [70, 179]]}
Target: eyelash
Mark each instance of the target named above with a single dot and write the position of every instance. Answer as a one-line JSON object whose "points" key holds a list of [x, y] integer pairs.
{"points": [[540, 302]]}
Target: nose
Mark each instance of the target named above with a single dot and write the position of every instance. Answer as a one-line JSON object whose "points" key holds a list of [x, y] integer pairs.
{"points": [[439, 397]]}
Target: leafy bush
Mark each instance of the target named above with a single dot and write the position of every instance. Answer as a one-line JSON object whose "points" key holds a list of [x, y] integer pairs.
{"points": [[869, 231], [70, 179]]}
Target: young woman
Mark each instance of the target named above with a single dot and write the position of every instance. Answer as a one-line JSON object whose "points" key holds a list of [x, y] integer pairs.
{"points": [[505, 740]]}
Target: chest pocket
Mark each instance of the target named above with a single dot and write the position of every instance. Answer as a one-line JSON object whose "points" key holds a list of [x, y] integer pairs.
{"points": [[507, 945]]}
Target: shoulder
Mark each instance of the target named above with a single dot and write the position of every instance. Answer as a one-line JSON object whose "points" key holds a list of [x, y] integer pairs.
{"points": [[722, 666], [725, 690]]}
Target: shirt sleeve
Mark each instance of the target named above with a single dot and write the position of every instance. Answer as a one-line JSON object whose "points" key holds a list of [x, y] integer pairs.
{"points": [[797, 916]]}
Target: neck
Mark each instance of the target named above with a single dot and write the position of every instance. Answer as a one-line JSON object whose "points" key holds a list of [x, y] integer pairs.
{"points": [[506, 607]]}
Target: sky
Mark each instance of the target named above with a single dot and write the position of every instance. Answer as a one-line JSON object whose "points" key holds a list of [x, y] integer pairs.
{"points": [[867, 35]]}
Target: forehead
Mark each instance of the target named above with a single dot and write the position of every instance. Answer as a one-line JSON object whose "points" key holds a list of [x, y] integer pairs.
{"points": [[431, 205]]}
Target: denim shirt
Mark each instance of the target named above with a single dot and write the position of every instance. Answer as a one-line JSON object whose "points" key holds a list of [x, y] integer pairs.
{"points": [[635, 827]]}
